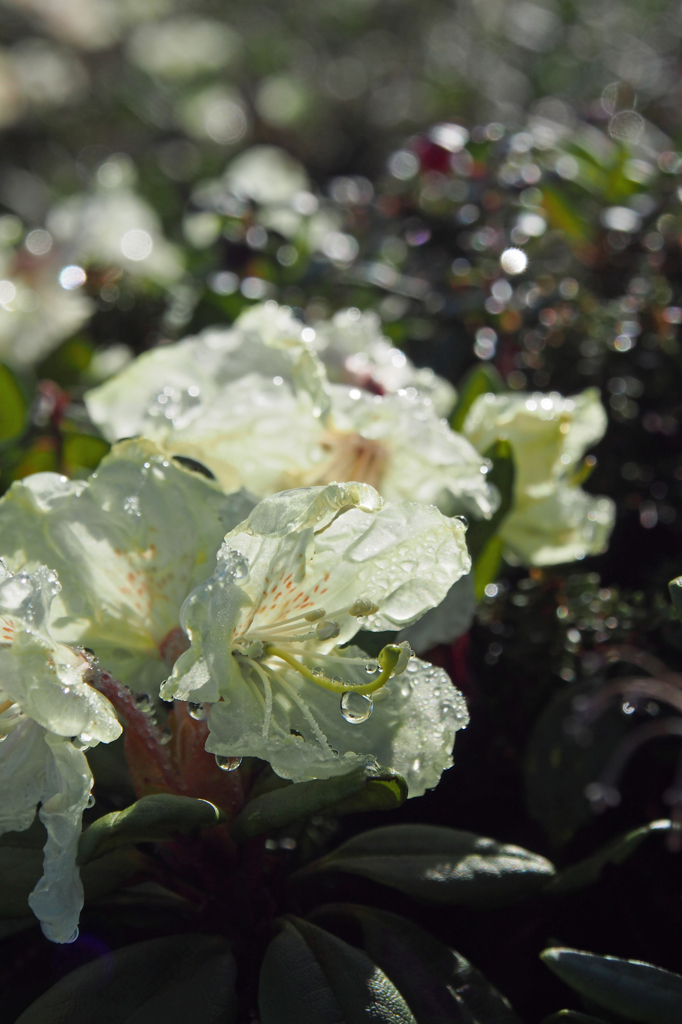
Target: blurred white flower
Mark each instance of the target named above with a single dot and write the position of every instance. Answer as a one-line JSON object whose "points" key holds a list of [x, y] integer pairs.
{"points": [[112, 226], [306, 570], [355, 351], [180, 48], [49, 714], [552, 519]]}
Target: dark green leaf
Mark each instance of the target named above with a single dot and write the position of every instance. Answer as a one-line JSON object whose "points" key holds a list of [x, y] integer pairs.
{"points": [[441, 864], [437, 983], [12, 406], [502, 475], [311, 977], [635, 990], [481, 379], [558, 768], [675, 588], [175, 979], [361, 790], [150, 819], [21, 866], [571, 1017], [587, 871]]}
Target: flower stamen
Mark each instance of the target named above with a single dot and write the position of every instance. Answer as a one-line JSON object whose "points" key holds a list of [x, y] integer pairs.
{"points": [[388, 660]]}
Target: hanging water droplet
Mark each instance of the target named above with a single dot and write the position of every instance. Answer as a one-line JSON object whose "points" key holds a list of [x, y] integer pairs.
{"points": [[90, 801], [234, 565], [72, 938], [197, 711], [144, 703], [371, 667], [463, 520], [318, 672], [227, 764], [356, 707]]}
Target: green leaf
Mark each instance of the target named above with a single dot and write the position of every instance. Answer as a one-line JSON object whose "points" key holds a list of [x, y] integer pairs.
{"points": [[153, 818], [311, 977], [502, 475], [437, 983], [675, 588], [82, 453], [21, 866], [558, 768], [635, 990], [363, 789], [588, 871], [440, 864], [572, 1017], [481, 379], [12, 406], [175, 979], [487, 565]]}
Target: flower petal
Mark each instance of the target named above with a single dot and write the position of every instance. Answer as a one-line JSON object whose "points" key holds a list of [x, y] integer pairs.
{"points": [[23, 757], [58, 897], [128, 545], [306, 736], [565, 525]]}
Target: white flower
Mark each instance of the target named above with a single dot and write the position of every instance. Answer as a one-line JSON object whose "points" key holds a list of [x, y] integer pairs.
{"points": [[174, 384], [114, 226], [552, 519], [49, 714], [355, 351], [129, 544], [35, 313], [307, 570]]}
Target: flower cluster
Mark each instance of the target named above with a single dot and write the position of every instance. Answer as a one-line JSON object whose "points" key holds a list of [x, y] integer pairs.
{"points": [[240, 606]]}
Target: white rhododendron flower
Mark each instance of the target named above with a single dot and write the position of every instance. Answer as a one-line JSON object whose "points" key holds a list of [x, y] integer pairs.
{"points": [[115, 227], [36, 314], [171, 386], [552, 519], [49, 714], [259, 433], [355, 351], [300, 577], [128, 544]]}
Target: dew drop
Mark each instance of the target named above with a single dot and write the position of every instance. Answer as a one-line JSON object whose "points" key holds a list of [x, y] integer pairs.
{"points": [[165, 736], [372, 667], [356, 707], [318, 672], [227, 764], [72, 938], [234, 565], [90, 801], [338, 680], [144, 703], [197, 711]]}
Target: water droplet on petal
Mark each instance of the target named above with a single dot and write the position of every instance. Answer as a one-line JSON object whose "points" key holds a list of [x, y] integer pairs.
{"points": [[234, 565], [197, 711], [227, 764], [165, 736], [356, 707], [72, 938], [90, 801]]}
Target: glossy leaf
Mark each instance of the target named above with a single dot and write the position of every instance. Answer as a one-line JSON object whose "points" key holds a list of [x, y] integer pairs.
{"points": [[360, 790], [558, 768], [635, 990], [12, 406], [441, 864], [153, 818], [481, 379], [588, 871], [174, 979], [21, 866], [438, 984], [572, 1017], [311, 977], [675, 588]]}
